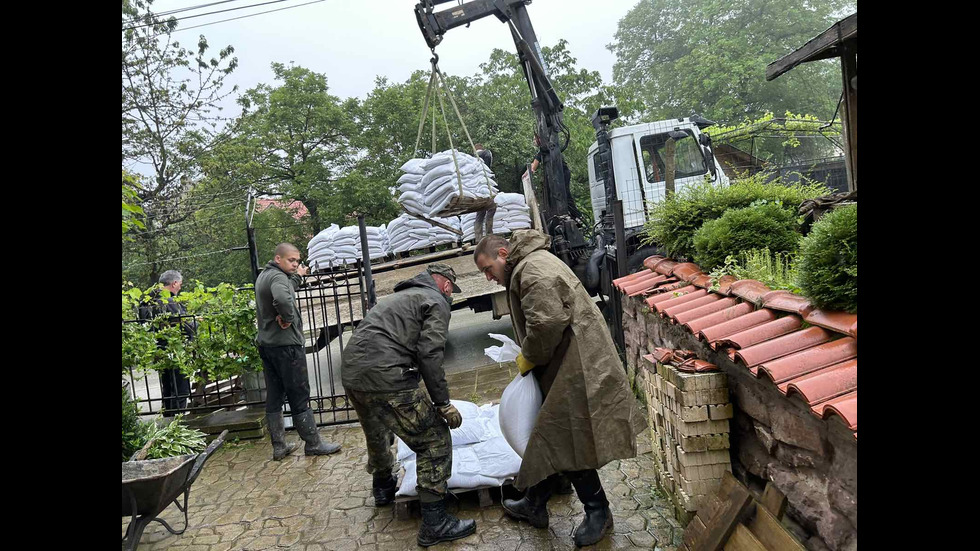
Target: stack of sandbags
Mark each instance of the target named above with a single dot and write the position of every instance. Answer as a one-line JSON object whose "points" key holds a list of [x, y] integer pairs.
{"points": [[429, 185], [481, 455], [338, 246], [320, 252], [512, 213], [407, 233], [440, 236]]}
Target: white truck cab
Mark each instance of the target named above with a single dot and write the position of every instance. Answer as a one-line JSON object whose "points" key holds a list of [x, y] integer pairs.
{"points": [[640, 155]]}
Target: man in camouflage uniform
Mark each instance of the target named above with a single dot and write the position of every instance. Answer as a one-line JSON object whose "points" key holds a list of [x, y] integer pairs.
{"points": [[400, 341]]}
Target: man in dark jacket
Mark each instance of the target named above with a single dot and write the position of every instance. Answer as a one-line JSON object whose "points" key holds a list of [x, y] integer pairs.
{"points": [[589, 416], [400, 341], [175, 386], [280, 339], [483, 223]]}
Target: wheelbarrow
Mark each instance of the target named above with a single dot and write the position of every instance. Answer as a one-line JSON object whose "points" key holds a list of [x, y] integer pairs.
{"points": [[149, 486]]}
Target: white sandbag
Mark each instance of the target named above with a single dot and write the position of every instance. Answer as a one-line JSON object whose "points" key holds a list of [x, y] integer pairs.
{"points": [[409, 178], [405, 187], [519, 408], [410, 196], [497, 458], [465, 465], [438, 172], [414, 166], [506, 352]]}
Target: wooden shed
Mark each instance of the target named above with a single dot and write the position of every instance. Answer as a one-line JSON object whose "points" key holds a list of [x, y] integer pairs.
{"points": [[840, 40]]}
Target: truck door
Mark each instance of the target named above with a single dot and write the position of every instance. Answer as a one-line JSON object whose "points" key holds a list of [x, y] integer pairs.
{"points": [[688, 161]]}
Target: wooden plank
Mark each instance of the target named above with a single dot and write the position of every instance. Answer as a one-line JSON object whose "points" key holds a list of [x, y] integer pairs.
{"points": [[771, 533], [736, 505], [484, 495], [743, 540], [773, 500], [817, 48], [693, 532]]}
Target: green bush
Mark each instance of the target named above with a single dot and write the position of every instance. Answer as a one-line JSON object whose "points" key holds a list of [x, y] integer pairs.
{"points": [[133, 432], [776, 270], [765, 225], [827, 266], [674, 221]]}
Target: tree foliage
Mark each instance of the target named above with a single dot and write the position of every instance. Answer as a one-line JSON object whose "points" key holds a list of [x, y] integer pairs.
{"points": [[709, 57], [169, 98]]}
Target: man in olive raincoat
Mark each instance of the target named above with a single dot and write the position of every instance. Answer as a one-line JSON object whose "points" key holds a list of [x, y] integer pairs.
{"points": [[589, 416]]}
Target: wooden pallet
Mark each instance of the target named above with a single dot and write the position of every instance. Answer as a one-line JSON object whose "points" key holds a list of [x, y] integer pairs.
{"points": [[405, 504], [733, 520]]}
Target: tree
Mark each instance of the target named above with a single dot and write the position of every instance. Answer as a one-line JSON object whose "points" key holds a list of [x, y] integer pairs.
{"points": [[709, 57], [292, 141], [168, 96]]}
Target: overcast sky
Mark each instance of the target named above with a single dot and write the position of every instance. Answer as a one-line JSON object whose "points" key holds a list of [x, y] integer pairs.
{"points": [[352, 42]]}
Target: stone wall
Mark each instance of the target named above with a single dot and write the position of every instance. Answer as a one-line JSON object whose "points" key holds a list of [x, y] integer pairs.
{"points": [[773, 438]]}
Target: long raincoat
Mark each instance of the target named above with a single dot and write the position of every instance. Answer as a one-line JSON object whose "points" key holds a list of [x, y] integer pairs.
{"points": [[589, 416]]}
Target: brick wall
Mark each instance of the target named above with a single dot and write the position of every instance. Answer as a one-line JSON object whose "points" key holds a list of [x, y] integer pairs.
{"points": [[772, 437]]}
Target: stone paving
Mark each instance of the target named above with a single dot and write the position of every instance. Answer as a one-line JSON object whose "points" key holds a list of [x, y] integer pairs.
{"points": [[245, 501]]}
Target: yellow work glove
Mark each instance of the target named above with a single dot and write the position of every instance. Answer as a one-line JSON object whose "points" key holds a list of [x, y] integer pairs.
{"points": [[523, 365]]}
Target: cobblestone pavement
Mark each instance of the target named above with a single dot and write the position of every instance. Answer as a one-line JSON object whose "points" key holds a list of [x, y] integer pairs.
{"points": [[245, 501]]}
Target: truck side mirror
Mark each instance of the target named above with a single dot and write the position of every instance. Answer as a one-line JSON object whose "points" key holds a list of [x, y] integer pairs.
{"points": [[709, 156]]}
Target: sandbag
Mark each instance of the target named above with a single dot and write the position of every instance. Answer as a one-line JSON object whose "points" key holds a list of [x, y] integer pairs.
{"points": [[414, 166], [519, 408]]}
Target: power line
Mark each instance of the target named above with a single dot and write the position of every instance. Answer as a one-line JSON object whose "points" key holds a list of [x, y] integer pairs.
{"points": [[183, 257], [203, 14], [244, 16]]}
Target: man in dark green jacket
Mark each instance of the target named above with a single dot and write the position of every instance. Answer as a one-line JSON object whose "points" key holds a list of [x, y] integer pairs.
{"points": [[280, 338], [400, 341]]}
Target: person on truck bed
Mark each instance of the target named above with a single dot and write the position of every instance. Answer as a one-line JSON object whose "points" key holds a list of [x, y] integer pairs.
{"points": [[399, 342], [483, 223], [589, 416]]}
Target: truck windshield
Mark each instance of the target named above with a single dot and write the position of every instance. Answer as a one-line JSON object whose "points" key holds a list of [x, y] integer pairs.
{"points": [[688, 160]]}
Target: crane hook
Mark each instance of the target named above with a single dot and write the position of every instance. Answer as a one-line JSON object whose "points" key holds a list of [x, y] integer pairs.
{"points": [[435, 57]]}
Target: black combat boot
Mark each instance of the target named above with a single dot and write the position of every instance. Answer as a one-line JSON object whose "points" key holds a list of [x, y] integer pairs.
{"points": [[384, 489], [277, 433], [438, 525], [306, 427], [533, 507], [598, 520]]}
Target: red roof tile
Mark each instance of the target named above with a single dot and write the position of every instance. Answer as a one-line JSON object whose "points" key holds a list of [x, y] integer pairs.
{"points": [[651, 261], [665, 266], [708, 298], [695, 293], [749, 289], [818, 363], [722, 316], [669, 294], [701, 311], [686, 271], [781, 346], [725, 284], [786, 301], [703, 281], [761, 333], [844, 407], [731, 326], [835, 321], [810, 360], [824, 384]]}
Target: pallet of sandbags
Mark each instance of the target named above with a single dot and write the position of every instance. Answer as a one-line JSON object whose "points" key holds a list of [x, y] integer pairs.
{"points": [[447, 184]]}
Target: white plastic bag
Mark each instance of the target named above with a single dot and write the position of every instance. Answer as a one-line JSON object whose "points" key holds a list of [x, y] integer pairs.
{"points": [[507, 352], [519, 411]]}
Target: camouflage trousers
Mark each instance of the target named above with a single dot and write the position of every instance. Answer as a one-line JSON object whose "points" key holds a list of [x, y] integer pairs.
{"points": [[410, 415]]}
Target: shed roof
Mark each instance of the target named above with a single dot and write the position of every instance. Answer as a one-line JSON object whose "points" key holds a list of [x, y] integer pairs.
{"points": [[823, 46]]}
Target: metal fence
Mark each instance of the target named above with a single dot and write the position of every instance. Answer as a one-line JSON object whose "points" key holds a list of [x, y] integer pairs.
{"points": [[331, 300]]}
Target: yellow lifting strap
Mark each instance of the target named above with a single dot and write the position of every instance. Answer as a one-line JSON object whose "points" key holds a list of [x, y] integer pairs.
{"points": [[437, 83]]}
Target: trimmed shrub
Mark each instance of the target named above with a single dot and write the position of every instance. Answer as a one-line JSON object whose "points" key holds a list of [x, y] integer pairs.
{"points": [[827, 265], [761, 226], [674, 221]]}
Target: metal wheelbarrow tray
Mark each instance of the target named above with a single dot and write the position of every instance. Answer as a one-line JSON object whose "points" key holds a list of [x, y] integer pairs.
{"points": [[149, 486]]}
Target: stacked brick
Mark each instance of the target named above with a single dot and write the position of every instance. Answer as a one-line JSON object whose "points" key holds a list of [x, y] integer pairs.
{"points": [[689, 421]]}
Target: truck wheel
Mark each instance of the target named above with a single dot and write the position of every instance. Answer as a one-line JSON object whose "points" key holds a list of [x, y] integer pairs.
{"points": [[635, 262]]}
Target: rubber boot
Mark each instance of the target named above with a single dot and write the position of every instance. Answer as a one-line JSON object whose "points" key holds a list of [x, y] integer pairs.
{"points": [[533, 507], [306, 427], [438, 525], [277, 433], [564, 486], [598, 521], [384, 489]]}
